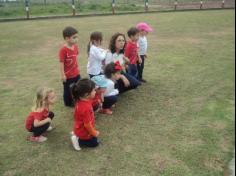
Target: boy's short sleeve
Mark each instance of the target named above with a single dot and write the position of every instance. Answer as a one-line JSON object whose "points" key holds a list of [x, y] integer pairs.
{"points": [[62, 54]]}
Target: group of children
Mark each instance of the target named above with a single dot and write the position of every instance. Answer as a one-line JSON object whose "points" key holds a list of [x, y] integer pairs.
{"points": [[111, 72]]}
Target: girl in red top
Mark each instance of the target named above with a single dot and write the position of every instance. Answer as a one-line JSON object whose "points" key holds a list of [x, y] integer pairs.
{"points": [[39, 120], [84, 132]]}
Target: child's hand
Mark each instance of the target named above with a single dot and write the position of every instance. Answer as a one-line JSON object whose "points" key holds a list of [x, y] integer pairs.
{"points": [[139, 60], [126, 82], [145, 56], [97, 133], [49, 120], [127, 61], [63, 78]]}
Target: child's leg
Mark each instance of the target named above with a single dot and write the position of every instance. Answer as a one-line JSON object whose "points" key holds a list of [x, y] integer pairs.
{"points": [[120, 86], [132, 70], [38, 131], [134, 83], [109, 101], [68, 100], [67, 95], [140, 68], [93, 142]]}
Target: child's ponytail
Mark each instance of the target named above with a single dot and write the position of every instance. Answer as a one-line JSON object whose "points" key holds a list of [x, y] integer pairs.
{"points": [[74, 91], [95, 36]]}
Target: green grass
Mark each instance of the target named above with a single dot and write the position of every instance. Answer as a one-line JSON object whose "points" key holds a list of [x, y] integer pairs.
{"points": [[180, 123]]}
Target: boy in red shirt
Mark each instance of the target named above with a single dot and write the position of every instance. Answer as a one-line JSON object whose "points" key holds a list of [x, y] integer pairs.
{"points": [[84, 132], [131, 51], [68, 63]]}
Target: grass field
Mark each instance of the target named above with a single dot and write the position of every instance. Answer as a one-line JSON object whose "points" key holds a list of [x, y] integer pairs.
{"points": [[181, 123]]}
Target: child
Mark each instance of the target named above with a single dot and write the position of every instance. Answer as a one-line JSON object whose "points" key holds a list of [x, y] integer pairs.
{"points": [[39, 120], [112, 74], [144, 29], [107, 83], [131, 51], [96, 54], [84, 133], [69, 69]]}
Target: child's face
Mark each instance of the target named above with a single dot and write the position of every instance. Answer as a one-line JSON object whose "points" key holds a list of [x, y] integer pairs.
{"points": [[120, 42], [51, 98], [143, 33], [135, 37], [73, 39], [116, 76], [92, 94]]}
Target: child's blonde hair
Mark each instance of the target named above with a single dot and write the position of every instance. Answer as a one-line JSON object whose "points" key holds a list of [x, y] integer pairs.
{"points": [[41, 98]]}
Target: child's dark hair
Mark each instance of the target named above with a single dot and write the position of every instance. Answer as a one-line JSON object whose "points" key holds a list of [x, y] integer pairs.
{"points": [[69, 31], [132, 31], [95, 36], [109, 70], [82, 88], [112, 45]]}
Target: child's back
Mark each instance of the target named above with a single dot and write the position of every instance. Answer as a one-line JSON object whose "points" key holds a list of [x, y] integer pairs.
{"points": [[83, 114], [96, 56]]}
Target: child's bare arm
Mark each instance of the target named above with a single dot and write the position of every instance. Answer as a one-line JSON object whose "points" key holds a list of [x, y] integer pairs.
{"points": [[125, 80], [126, 60], [63, 76], [102, 97], [38, 123]]}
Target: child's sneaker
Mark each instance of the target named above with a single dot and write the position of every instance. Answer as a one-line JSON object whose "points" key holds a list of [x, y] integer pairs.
{"points": [[106, 111], [50, 128], [37, 139], [75, 142]]}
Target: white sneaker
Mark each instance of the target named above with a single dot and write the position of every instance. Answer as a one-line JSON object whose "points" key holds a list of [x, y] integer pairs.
{"points": [[75, 142], [50, 128]]}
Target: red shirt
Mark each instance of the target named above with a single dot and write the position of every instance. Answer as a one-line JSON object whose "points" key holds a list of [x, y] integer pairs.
{"points": [[97, 99], [69, 58], [83, 115], [131, 51], [35, 116]]}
